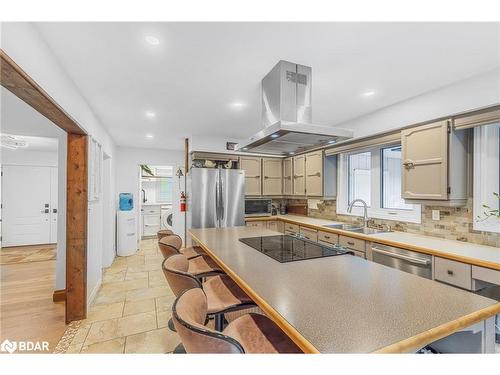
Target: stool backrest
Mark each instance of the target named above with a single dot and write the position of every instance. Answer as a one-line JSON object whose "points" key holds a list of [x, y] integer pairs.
{"points": [[163, 233], [173, 240], [189, 314], [166, 249], [175, 271]]}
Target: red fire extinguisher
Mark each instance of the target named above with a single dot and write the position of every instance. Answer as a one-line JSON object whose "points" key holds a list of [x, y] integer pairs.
{"points": [[183, 202]]}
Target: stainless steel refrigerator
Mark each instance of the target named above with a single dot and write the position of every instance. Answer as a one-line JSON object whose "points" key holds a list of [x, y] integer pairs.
{"points": [[216, 198]]}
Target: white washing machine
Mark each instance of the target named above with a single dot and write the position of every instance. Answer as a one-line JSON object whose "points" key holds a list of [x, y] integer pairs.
{"points": [[167, 217]]}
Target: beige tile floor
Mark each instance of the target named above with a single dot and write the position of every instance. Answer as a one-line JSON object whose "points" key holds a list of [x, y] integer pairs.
{"points": [[131, 310]]}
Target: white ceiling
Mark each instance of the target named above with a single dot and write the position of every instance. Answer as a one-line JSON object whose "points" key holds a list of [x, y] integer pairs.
{"points": [[190, 79]]}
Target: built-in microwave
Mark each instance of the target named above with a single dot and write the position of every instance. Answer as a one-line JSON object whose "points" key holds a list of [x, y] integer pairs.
{"points": [[258, 207]]}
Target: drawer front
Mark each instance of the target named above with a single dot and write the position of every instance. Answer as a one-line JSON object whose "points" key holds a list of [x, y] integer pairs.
{"points": [[256, 224], [330, 238], [151, 220], [291, 228], [486, 274], [310, 234], [150, 210], [453, 272], [352, 243]]}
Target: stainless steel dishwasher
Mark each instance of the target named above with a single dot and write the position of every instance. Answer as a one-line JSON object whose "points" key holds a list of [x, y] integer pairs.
{"points": [[404, 260]]}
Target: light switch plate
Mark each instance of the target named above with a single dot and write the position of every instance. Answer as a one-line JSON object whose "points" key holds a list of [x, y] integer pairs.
{"points": [[436, 215]]}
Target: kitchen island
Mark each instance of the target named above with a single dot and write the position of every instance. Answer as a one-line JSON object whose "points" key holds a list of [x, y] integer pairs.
{"points": [[345, 304]]}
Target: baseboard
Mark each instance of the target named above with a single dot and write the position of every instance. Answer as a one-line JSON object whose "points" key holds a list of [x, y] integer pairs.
{"points": [[59, 295], [94, 292]]}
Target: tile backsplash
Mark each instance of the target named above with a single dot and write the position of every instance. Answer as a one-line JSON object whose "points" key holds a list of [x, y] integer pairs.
{"points": [[455, 223]]}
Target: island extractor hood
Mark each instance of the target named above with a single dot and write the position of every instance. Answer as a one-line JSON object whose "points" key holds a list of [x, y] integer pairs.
{"points": [[287, 115]]}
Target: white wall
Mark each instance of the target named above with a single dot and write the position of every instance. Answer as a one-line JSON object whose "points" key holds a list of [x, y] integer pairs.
{"points": [[127, 176], [28, 157], [476, 92], [24, 44]]}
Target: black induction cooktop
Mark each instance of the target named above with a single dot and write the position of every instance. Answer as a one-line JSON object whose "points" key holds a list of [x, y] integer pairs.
{"points": [[288, 248]]}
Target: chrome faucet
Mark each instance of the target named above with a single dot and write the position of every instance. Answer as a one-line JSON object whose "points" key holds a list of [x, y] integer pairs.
{"points": [[365, 213]]}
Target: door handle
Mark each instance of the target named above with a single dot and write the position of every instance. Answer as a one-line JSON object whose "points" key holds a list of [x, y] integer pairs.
{"points": [[45, 211], [409, 165], [54, 210]]}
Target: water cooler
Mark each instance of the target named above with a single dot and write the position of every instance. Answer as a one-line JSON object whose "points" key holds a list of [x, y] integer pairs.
{"points": [[126, 231]]}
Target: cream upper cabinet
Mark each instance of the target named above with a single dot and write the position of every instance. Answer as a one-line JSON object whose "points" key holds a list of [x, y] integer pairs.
{"points": [[253, 175], [425, 161], [271, 174], [314, 173], [299, 175], [287, 176]]}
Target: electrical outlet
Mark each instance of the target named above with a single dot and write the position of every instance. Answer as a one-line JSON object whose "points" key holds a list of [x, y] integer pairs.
{"points": [[436, 215]]}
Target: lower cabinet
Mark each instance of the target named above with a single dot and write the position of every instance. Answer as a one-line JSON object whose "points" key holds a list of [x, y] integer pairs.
{"points": [[150, 225], [276, 225]]}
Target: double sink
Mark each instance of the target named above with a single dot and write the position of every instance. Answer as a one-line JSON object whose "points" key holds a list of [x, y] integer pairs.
{"points": [[354, 228]]}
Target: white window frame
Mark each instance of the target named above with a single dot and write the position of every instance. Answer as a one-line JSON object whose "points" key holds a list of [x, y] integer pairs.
{"points": [[376, 211], [486, 176]]}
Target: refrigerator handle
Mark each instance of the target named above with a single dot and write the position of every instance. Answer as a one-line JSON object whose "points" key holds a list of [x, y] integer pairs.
{"points": [[217, 200], [221, 197]]}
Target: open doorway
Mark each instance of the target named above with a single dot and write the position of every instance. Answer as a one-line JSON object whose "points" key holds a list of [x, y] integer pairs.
{"points": [[33, 197], [156, 196]]}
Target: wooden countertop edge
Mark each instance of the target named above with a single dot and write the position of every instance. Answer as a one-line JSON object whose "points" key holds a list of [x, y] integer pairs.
{"points": [[297, 338], [416, 342], [460, 258]]}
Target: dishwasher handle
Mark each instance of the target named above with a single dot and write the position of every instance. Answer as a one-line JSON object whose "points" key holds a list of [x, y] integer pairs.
{"points": [[424, 262]]}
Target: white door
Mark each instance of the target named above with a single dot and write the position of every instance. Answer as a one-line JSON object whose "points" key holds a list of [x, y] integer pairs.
{"points": [[26, 205]]}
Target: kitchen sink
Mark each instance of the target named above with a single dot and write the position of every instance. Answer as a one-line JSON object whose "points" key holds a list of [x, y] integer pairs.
{"points": [[366, 230], [354, 228]]}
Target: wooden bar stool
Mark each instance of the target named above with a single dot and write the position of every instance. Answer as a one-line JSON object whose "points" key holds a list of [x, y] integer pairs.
{"points": [[175, 241], [250, 333], [163, 233], [223, 294]]}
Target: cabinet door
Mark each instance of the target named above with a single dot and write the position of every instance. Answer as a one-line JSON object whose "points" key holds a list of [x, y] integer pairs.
{"points": [[425, 161], [287, 176], [314, 173], [253, 175], [299, 175], [271, 171]]}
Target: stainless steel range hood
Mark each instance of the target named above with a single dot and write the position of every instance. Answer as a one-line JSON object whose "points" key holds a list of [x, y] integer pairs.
{"points": [[287, 115]]}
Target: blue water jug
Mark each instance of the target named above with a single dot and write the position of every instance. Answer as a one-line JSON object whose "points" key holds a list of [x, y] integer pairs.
{"points": [[126, 201]]}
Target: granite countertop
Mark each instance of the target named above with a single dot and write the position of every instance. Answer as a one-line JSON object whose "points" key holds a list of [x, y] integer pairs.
{"points": [[344, 304], [481, 255]]}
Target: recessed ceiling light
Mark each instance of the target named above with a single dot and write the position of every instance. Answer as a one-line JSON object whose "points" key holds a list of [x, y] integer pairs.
{"points": [[368, 93], [331, 142], [291, 153], [238, 105], [245, 148], [150, 136], [150, 114], [274, 135], [150, 39]]}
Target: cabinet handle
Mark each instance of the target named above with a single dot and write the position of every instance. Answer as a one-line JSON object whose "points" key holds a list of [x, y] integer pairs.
{"points": [[449, 272], [317, 174], [350, 243], [327, 237]]}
